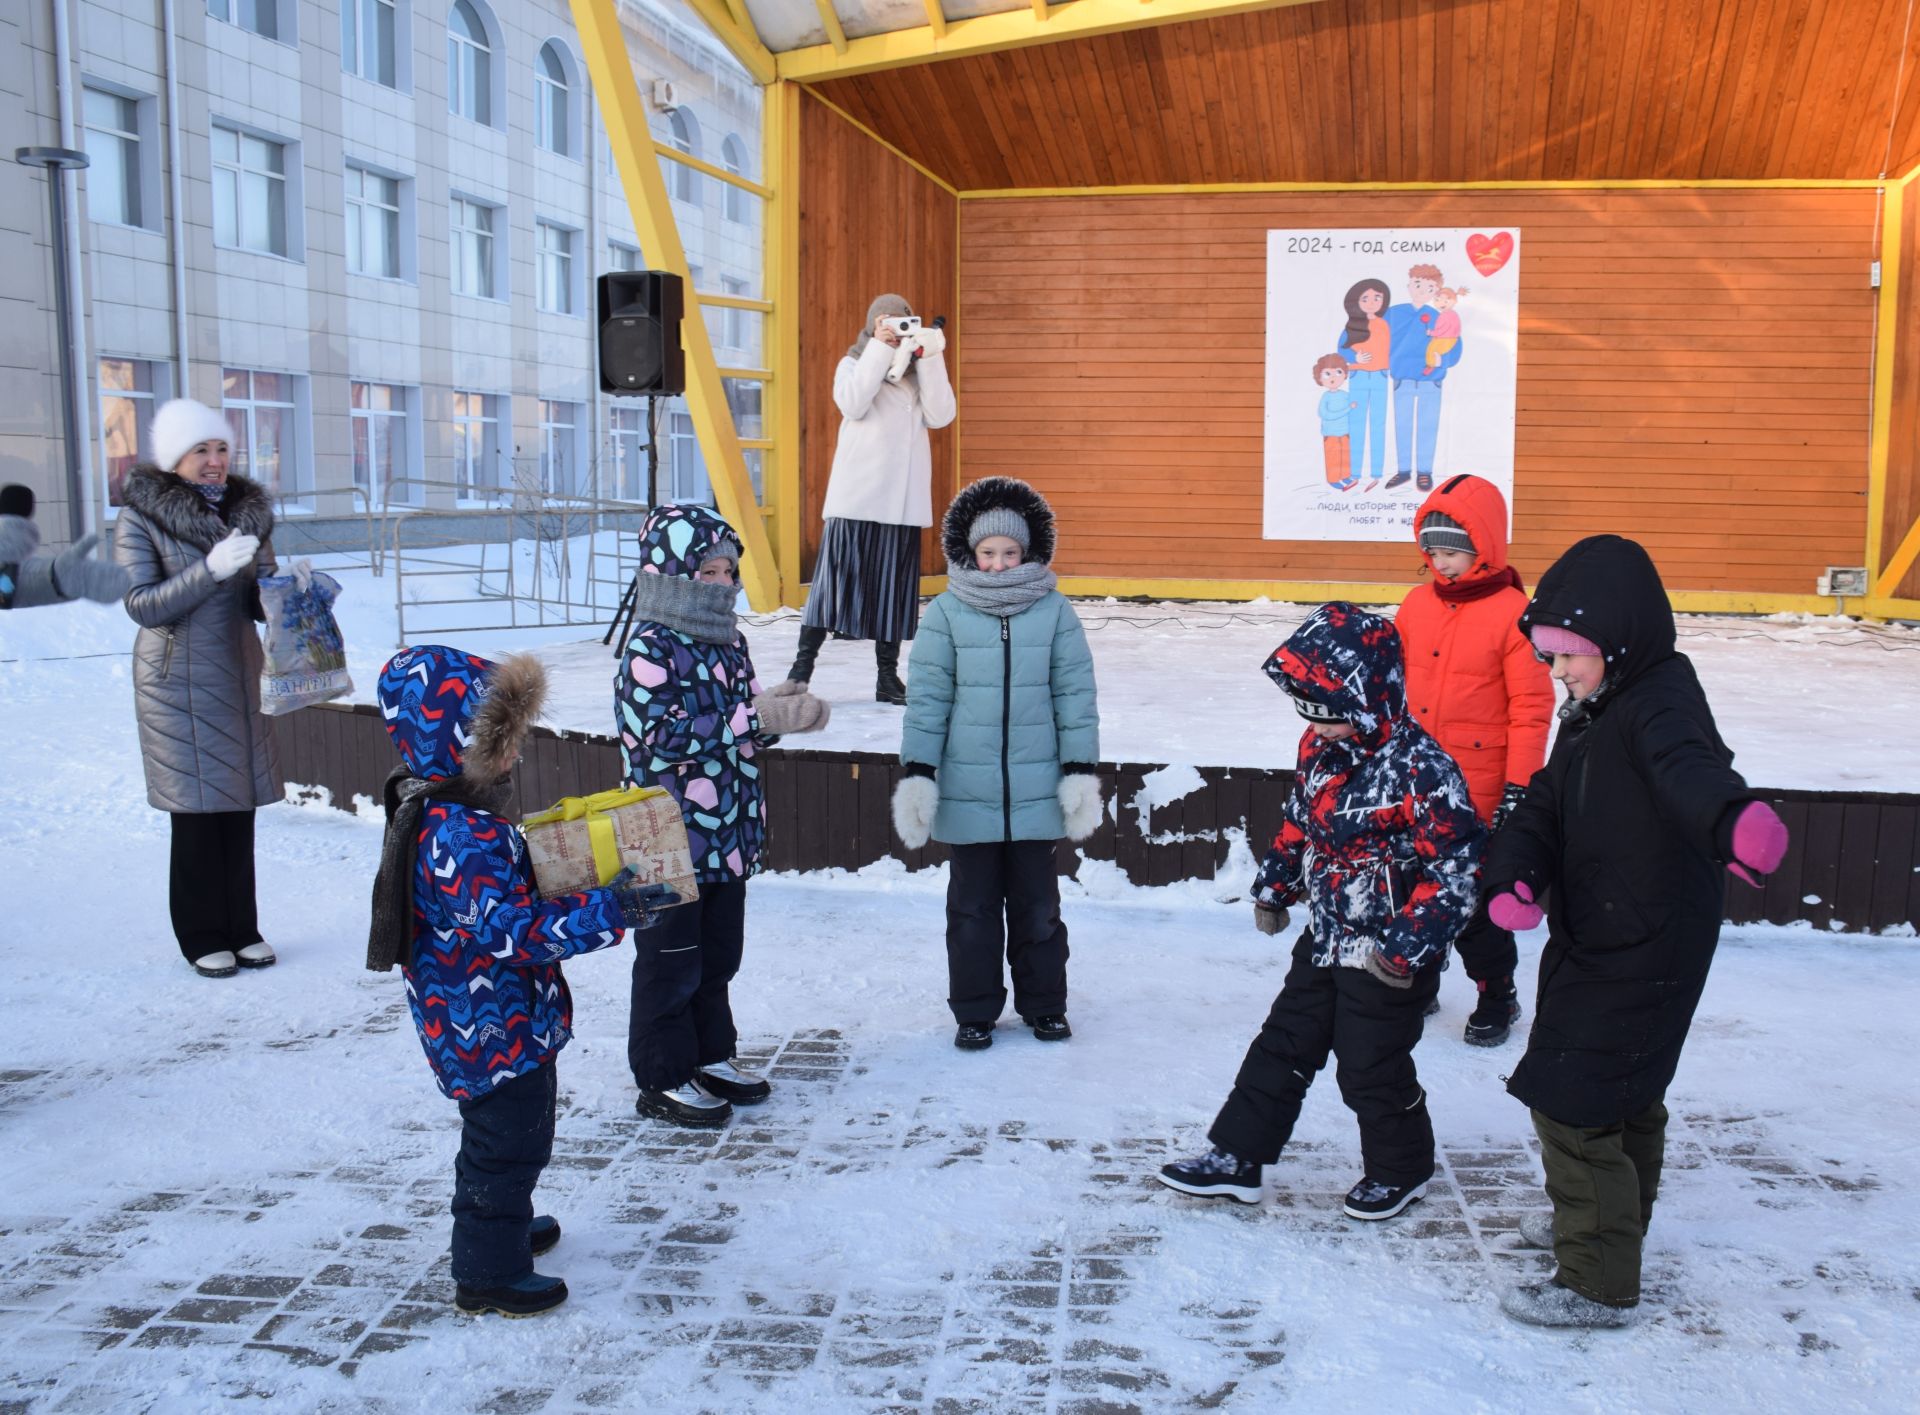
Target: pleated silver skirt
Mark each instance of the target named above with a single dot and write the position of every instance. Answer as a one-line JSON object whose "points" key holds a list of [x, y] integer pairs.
{"points": [[866, 583]]}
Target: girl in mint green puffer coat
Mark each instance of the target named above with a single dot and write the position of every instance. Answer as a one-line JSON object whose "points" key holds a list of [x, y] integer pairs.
{"points": [[1001, 736]]}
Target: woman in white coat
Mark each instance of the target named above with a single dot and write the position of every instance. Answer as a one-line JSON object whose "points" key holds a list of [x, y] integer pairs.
{"points": [[866, 582]]}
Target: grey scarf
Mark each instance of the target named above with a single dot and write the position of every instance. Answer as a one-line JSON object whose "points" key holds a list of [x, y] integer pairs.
{"points": [[698, 610], [390, 935], [1005, 592]]}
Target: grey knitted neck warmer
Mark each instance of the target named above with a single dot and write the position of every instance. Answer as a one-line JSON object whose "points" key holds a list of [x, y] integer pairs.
{"points": [[1004, 592], [698, 610]]}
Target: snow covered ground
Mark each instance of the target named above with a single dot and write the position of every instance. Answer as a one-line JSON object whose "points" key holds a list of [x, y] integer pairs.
{"points": [[221, 1191]]}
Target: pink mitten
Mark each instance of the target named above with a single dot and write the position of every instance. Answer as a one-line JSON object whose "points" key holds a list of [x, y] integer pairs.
{"points": [[1759, 842], [1514, 909]]}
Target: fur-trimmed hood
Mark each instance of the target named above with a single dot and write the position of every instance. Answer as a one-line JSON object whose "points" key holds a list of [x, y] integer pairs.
{"points": [[457, 714], [984, 496], [173, 506]]}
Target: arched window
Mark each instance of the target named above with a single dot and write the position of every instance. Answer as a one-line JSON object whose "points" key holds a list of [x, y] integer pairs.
{"points": [[552, 101], [733, 157], [469, 64], [685, 137]]}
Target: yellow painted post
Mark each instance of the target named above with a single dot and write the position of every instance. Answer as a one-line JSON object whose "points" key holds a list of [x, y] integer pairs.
{"points": [[780, 127], [1886, 337], [625, 115]]}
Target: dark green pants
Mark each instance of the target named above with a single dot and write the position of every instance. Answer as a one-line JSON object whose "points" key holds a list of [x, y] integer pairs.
{"points": [[1603, 1181]]}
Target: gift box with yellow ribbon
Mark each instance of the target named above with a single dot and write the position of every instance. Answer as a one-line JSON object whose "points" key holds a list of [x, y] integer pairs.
{"points": [[584, 841]]}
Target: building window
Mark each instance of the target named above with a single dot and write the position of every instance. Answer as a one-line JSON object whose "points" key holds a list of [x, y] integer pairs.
{"points": [[552, 109], [475, 267], [260, 16], [261, 411], [559, 450], [739, 332], [469, 64], [733, 157], [683, 135], [373, 223], [367, 47], [476, 446], [249, 192], [553, 246], [379, 412], [113, 148], [623, 257], [129, 390], [689, 473], [627, 437]]}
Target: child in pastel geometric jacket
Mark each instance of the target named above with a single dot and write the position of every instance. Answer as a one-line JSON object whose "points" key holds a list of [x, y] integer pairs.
{"points": [[999, 745], [455, 905], [1474, 684], [692, 719], [1379, 837]]}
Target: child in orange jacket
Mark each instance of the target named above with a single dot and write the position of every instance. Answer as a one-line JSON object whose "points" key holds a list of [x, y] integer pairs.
{"points": [[1474, 683]]}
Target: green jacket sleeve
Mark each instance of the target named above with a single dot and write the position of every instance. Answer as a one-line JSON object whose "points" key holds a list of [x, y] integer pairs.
{"points": [[1076, 713], [923, 736]]}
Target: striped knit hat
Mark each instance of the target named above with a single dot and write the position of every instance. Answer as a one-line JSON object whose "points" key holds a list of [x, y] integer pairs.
{"points": [[1441, 532]]}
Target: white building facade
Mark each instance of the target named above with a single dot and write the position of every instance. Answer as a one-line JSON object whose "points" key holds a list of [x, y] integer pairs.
{"points": [[370, 234]]}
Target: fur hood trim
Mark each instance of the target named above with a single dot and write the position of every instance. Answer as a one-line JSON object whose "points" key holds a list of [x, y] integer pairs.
{"points": [[516, 690], [984, 496], [173, 506]]}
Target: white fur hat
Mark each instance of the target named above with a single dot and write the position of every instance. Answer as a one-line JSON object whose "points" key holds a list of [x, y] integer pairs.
{"points": [[182, 425]]}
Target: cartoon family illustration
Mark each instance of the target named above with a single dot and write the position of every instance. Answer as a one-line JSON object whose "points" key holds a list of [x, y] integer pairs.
{"points": [[1385, 351]]}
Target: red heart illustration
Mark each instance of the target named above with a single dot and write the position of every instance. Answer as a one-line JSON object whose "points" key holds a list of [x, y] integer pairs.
{"points": [[1489, 253]]}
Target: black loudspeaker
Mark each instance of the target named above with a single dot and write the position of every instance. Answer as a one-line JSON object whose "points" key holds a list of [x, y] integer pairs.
{"points": [[640, 313]]}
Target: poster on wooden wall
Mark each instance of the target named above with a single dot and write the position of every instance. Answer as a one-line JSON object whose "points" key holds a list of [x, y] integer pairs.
{"points": [[1390, 367]]}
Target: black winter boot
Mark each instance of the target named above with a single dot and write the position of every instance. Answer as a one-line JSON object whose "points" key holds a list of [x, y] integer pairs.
{"points": [[810, 641], [887, 686], [1494, 1015]]}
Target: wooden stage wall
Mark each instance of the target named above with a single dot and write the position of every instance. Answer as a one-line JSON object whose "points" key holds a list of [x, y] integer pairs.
{"points": [[1695, 371]]}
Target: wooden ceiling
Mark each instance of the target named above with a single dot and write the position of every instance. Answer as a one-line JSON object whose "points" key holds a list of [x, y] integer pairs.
{"points": [[1424, 91]]}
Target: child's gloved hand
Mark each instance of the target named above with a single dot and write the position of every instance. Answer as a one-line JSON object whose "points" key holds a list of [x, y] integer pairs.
{"points": [[640, 904], [1387, 970], [1269, 918], [76, 573], [1514, 910], [788, 707], [915, 800], [1509, 798], [1758, 843], [1080, 805]]}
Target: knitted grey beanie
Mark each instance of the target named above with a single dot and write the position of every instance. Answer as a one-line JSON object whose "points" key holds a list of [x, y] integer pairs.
{"points": [[1000, 521], [1441, 532]]}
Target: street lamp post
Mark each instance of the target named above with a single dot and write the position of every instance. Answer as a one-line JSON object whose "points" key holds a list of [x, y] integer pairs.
{"points": [[57, 160]]}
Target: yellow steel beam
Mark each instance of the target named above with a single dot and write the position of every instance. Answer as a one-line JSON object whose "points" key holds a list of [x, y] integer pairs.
{"points": [[1013, 29], [921, 168], [1885, 338], [719, 174], [1317, 591], [830, 19], [780, 331], [735, 302], [741, 40], [605, 48], [748, 375], [936, 19], [738, 9], [1909, 551]]}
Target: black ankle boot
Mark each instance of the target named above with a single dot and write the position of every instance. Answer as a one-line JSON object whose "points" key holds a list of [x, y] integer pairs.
{"points": [[810, 641], [887, 686], [1494, 1016]]}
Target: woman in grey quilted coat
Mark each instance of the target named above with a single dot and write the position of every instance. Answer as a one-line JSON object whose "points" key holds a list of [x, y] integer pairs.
{"points": [[195, 538]]}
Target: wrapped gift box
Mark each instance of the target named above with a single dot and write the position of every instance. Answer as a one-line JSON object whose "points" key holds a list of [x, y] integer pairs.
{"points": [[584, 841]]}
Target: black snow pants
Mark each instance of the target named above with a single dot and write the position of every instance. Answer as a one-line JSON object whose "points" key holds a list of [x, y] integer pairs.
{"points": [[1003, 899]]}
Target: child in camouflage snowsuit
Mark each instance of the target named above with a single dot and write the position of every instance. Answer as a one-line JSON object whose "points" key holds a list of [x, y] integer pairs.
{"points": [[1381, 840]]}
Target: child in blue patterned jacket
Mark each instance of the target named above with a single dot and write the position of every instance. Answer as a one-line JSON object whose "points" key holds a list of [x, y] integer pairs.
{"points": [[691, 718], [454, 905]]}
